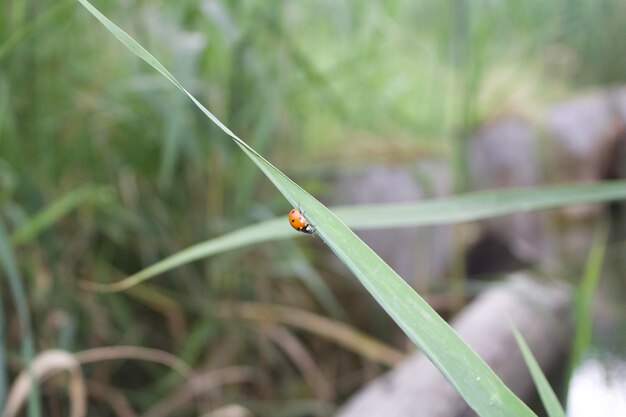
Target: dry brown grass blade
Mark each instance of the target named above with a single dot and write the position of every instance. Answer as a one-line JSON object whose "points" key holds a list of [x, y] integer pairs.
{"points": [[114, 398], [231, 410], [44, 365], [155, 298], [335, 331], [305, 363], [198, 385], [134, 352]]}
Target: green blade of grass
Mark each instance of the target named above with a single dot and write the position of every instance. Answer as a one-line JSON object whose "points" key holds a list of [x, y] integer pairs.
{"points": [[3, 350], [7, 261], [583, 299], [55, 211], [480, 205], [260, 232], [31, 27], [548, 397], [471, 377], [468, 207]]}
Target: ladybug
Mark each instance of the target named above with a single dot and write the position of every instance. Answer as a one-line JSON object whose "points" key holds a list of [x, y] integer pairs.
{"points": [[298, 222]]}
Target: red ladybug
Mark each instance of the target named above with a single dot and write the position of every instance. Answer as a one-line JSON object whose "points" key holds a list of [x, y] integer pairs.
{"points": [[298, 222]]}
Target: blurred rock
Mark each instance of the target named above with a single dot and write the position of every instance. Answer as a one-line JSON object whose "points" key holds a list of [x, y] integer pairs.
{"points": [[583, 141], [539, 310], [582, 132], [617, 166], [416, 254], [490, 256], [504, 154]]}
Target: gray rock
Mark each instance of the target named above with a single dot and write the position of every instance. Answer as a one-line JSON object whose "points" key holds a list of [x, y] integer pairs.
{"points": [[417, 254], [416, 388], [501, 155]]}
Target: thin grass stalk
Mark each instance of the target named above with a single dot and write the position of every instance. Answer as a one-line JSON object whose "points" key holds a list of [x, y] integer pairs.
{"points": [[548, 397], [583, 299], [3, 350], [21, 304]]}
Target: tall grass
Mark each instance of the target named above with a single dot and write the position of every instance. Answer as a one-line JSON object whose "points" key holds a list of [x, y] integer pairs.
{"points": [[583, 301], [302, 81], [20, 301]]}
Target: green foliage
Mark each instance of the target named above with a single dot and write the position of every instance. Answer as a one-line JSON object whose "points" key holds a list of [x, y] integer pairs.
{"points": [[471, 377], [583, 300], [548, 397], [582, 317], [27, 345], [461, 208], [58, 209], [302, 81]]}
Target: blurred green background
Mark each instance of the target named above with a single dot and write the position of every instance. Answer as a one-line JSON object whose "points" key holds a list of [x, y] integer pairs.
{"points": [[130, 172]]}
